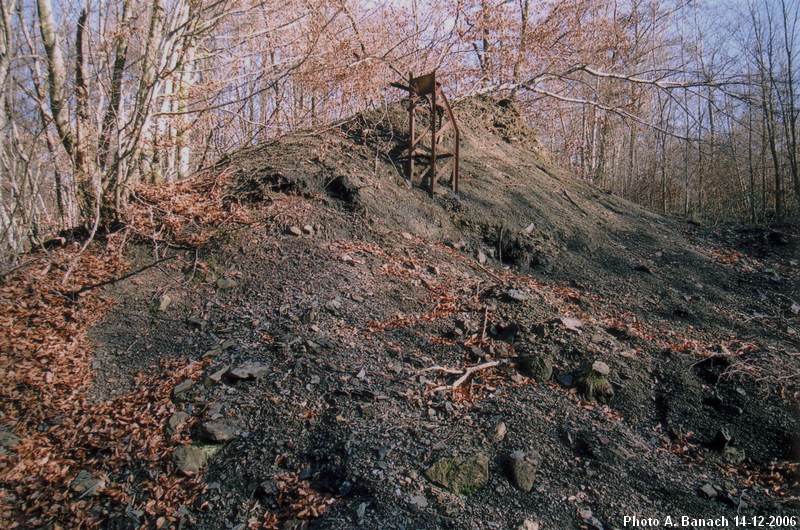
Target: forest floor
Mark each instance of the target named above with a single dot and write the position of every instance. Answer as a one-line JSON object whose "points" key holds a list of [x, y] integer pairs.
{"points": [[298, 339]]}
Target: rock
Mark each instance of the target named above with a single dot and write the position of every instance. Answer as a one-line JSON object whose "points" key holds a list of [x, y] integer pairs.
{"points": [[87, 484], [528, 524], [418, 501], [708, 491], [642, 267], [601, 368], [481, 256], [295, 231], [177, 421], [180, 390], [571, 324], [566, 379], [407, 236], [460, 475], [506, 331], [308, 229], [523, 468], [733, 455], [538, 367], [217, 376], [164, 302], [500, 431], [226, 283], [529, 229], [190, 459], [8, 441], [250, 370], [593, 382], [333, 305], [517, 295], [218, 431], [721, 440]]}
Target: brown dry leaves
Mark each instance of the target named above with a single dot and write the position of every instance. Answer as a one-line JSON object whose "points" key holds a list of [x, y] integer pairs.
{"points": [[47, 374], [46, 370]]}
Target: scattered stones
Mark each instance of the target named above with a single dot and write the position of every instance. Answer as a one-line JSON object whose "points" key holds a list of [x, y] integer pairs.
{"points": [[708, 491], [294, 231], [460, 475], [250, 370], [523, 468], [87, 484], [180, 390], [190, 459], [226, 283], [500, 431], [218, 431], [177, 421], [538, 367], [164, 302], [593, 382]]}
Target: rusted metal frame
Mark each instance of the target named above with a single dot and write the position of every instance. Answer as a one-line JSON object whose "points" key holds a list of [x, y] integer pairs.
{"points": [[432, 175], [411, 123], [452, 118]]}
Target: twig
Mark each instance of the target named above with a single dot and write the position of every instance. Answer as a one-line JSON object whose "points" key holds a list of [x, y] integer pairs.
{"points": [[485, 321], [85, 288], [466, 375]]}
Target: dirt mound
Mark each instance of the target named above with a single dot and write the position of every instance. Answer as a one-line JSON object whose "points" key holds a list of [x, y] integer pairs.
{"points": [[392, 331]]}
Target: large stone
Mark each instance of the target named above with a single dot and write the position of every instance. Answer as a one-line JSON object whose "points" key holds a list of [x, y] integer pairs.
{"points": [[190, 459], [181, 389], [250, 370], [177, 421], [523, 468], [218, 431], [538, 367], [462, 475]]}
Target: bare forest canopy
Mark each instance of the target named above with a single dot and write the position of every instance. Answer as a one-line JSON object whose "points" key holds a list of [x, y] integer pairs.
{"points": [[688, 107]]}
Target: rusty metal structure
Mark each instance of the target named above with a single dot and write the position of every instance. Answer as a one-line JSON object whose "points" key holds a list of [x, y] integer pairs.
{"points": [[425, 94]]}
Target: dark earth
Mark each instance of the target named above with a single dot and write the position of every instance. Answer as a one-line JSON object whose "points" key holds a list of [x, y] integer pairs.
{"points": [[629, 363]]}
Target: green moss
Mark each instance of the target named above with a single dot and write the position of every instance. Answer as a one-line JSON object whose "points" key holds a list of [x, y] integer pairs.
{"points": [[594, 386], [460, 475]]}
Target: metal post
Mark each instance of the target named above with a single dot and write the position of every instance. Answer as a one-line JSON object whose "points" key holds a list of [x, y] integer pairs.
{"points": [[433, 142], [411, 139]]}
